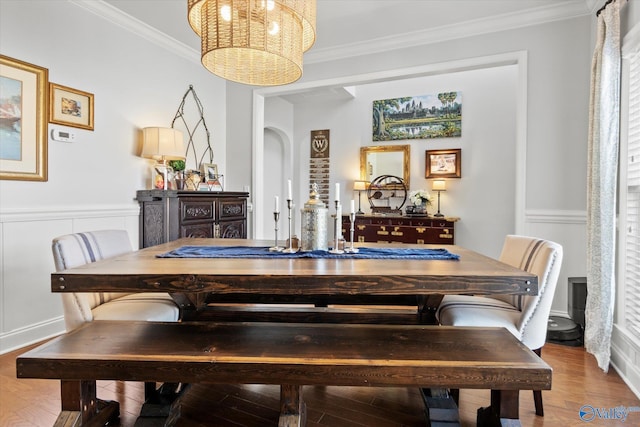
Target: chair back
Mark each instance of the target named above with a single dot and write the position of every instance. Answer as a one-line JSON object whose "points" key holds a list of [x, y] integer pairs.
{"points": [[74, 250], [542, 258]]}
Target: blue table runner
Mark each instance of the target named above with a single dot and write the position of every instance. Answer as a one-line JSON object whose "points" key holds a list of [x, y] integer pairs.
{"points": [[263, 252]]}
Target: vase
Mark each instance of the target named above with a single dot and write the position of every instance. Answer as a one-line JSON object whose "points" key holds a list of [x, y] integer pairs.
{"points": [[179, 178]]}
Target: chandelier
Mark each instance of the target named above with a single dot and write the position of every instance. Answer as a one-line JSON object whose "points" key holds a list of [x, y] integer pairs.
{"points": [[257, 42]]}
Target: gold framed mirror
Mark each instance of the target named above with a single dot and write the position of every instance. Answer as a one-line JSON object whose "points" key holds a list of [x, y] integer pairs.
{"points": [[385, 160]]}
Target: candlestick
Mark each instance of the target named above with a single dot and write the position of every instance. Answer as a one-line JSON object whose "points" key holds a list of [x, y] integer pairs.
{"points": [[276, 217], [352, 219], [290, 249], [337, 229]]}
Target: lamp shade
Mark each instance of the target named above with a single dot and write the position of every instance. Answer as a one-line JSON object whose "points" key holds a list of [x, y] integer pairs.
{"points": [[439, 185], [360, 185], [257, 42], [162, 143]]}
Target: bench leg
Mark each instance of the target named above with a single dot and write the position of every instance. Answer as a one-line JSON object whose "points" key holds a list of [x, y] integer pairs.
{"points": [[504, 410], [441, 408], [81, 407], [293, 411]]}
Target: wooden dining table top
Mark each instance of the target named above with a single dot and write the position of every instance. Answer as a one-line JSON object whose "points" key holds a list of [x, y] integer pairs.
{"points": [[143, 271]]}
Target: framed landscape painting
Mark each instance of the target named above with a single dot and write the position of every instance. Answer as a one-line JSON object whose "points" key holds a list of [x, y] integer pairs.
{"points": [[23, 120], [418, 117]]}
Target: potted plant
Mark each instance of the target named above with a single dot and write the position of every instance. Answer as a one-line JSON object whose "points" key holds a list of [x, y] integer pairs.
{"points": [[420, 199], [178, 167]]}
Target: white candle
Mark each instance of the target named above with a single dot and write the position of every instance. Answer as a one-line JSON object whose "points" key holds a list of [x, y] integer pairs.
{"points": [[289, 190], [353, 206], [277, 205], [337, 191]]}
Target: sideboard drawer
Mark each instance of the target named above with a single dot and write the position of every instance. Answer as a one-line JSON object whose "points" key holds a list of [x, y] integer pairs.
{"points": [[441, 223], [231, 208], [193, 210], [443, 236]]}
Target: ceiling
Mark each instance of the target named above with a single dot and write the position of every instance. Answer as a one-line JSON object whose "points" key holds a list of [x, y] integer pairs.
{"points": [[350, 22], [348, 28]]}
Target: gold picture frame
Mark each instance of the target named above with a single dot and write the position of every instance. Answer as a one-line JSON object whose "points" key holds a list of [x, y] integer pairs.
{"points": [[23, 120], [443, 163], [70, 107]]}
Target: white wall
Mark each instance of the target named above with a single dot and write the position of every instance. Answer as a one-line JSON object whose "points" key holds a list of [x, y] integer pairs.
{"points": [[93, 181], [487, 143]]}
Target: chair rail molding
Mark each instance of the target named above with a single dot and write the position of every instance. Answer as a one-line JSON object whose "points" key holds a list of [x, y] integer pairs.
{"points": [[556, 216], [65, 212]]}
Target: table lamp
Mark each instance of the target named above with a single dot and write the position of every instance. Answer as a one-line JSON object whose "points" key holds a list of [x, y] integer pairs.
{"points": [[360, 186], [162, 144], [439, 186]]}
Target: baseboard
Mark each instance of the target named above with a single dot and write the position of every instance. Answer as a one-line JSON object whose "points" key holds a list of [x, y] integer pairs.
{"points": [[624, 351], [31, 334]]}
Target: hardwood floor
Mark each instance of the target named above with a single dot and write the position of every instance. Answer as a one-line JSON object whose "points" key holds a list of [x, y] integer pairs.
{"points": [[577, 381]]}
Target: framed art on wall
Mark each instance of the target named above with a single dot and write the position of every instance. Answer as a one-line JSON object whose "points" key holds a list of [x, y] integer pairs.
{"points": [[70, 107], [443, 163], [418, 117], [23, 120]]}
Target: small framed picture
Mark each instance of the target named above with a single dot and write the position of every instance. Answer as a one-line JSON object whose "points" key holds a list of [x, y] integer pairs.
{"points": [[70, 107], [443, 163], [208, 171]]}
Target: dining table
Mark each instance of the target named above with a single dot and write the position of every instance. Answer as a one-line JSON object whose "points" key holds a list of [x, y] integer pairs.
{"points": [[195, 278], [197, 272]]}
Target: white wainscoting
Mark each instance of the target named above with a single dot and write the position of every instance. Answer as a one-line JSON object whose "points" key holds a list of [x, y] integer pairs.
{"points": [[625, 357], [30, 312], [567, 228]]}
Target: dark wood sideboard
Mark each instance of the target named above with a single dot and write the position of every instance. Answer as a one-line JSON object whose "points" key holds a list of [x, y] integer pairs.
{"points": [[401, 229], [172, 214]]}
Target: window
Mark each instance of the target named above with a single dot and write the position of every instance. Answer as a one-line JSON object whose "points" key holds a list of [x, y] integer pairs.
{"points": [[630, 189]]}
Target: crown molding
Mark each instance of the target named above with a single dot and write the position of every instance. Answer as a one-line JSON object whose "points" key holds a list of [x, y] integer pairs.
{"points": [[508, 21], [142, 29], [503, 22]]}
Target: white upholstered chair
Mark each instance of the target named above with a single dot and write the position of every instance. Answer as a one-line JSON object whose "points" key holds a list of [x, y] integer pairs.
{"points": [[73, 250], [525, 317]]}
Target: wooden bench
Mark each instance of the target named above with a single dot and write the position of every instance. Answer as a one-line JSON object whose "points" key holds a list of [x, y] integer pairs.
{"points": [[291, 355]]}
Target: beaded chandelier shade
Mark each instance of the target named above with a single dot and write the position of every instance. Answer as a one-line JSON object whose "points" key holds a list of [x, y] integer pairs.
{"points": [[257, 42]]}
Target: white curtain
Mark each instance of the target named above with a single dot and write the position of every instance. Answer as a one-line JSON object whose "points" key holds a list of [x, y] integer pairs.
{"points": [[604, 133]]}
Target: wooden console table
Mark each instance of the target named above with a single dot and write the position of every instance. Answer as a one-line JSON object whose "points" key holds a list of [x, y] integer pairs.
{"points": [[167, 215], [401, 229]]}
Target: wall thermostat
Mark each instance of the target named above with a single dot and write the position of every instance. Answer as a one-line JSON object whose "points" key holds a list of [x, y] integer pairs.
{"points": [[63, 135]]}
